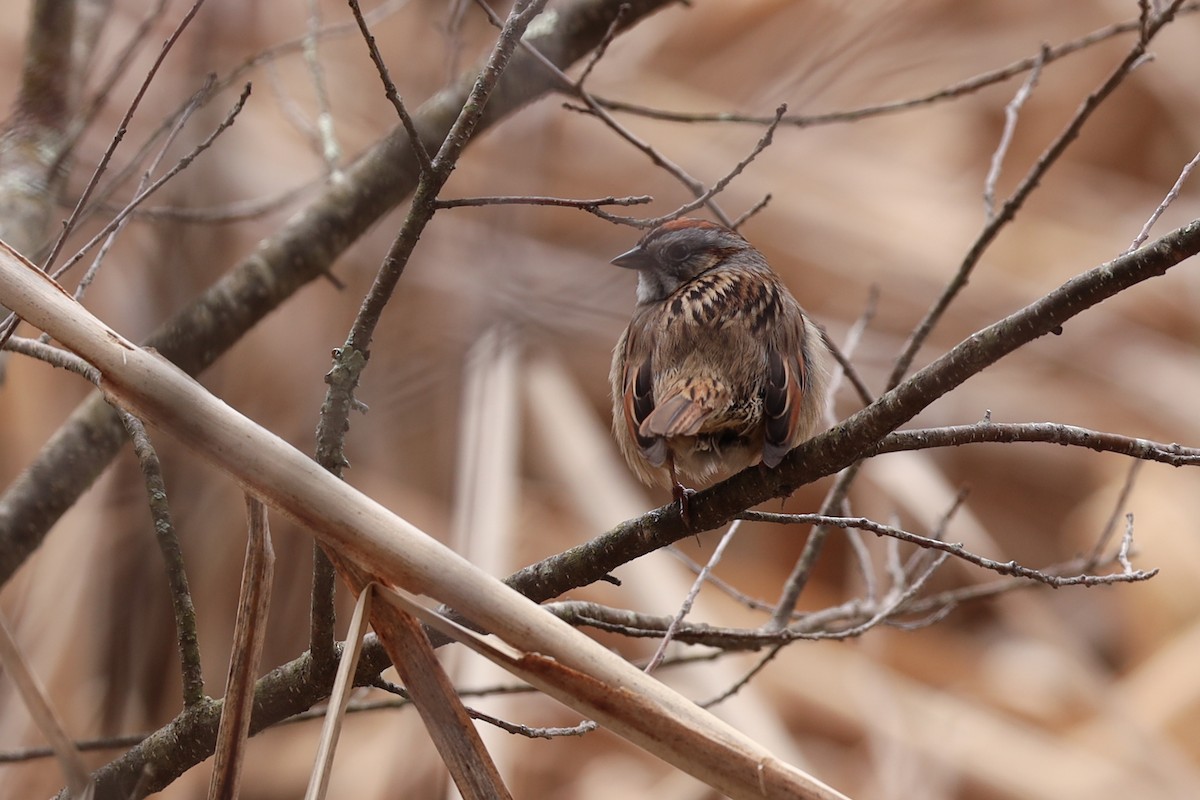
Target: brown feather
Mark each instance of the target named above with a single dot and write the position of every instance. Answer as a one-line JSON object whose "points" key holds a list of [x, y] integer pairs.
{"points": [[782, 400], [719, 369], [676, 416]]}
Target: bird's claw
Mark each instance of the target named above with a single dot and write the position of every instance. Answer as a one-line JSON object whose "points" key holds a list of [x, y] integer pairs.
{"points": [[682, 496]]}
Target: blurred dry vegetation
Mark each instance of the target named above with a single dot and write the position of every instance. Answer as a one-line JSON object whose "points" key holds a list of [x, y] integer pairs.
{"points": [[1034, 694]]}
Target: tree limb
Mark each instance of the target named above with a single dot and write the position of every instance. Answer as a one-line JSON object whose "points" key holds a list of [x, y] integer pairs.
{"points": [[302, 250]]}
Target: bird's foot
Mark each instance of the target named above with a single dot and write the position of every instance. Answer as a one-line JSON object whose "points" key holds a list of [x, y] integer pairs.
{"points": [[682, 496]]}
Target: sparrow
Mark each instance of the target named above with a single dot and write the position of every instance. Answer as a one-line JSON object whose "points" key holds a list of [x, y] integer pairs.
{"points": [[720, 368]]}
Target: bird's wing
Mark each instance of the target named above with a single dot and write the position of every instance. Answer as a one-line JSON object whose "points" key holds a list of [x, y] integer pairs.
{"points": [[638, 403], [783, 397], [796, 381]]}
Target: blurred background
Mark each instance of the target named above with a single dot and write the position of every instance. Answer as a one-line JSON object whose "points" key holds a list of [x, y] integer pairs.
{"points": [[488, 399]]}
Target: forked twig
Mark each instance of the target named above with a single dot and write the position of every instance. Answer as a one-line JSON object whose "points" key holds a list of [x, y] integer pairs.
{"points": [[69, 225]]}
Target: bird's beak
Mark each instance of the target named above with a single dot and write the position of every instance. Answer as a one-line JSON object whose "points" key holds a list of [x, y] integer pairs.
{"points": [[637, 258]]}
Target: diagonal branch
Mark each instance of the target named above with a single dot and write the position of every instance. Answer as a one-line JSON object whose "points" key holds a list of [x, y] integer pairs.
{"points": [[997, 222], [859, 435], [529, 642], [303, 250]]}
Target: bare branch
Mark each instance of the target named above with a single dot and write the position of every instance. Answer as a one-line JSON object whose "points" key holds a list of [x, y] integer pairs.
{"points": [[330, 150], [944, 94], [1144, 234], [690, 600], [389, 88], [751, 211], [1009, 210], [719, 186], [351, 359], [569, 86], [845, 353], [602, 48], [54, 356], [585, 727], [591, 206], [90, 274], [1135, 468], [1011, 112], [282, 264], [141, 196], [863, 432], [69, 225], [797, 580], [745, 680], [951, 548], [168, 543], [1046, 432], [1126, 543]]}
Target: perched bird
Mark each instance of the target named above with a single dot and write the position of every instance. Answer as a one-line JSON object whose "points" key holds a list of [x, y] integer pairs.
{"points": [[720, 368]]}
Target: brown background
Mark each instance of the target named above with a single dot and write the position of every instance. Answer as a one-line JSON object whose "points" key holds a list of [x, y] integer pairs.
{"points": [[1074, 693]]}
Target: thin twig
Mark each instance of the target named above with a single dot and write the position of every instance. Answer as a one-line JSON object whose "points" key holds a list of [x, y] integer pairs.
{"points": [[745, 679], [705, 197], [793, 587], [54, 356], [1110, 526], [686, 606], [1144, 234], [1012, 112], [260, 58], [168, 544], [895, 604], [1009, 210], [943, 94], [1126, 543], [751, 211], [939, 530], [592, 206], [602, 48], [752, 603], [331, 152], [133, 44], [389, 88], [844, 355], [847, 620], [141, 196], [530, 732], [351, 359], [90, 273], [953, 548], [862, 557], [658, 159], [718, 187], [1176, 455], [69, 225]]}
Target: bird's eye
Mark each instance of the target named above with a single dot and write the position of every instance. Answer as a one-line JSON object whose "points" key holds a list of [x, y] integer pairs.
{"points": [[677, 252]]}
